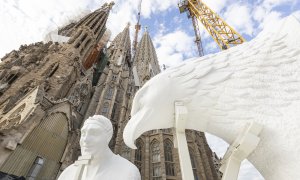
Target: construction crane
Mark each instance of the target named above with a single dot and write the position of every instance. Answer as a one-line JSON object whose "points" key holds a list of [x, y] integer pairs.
{"points": [[224, 35], [137, 28]]}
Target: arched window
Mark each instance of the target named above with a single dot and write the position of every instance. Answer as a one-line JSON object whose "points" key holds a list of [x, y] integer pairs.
{"points": [[81, 40], [151, 73], [155, 161], [71, 40], [11, 78], [138, 154], [109, 93], [168, 147], [125, 66], [84, 48], [126, 152], [104, 111], [52, 69], [155, 152], [194, 163]]}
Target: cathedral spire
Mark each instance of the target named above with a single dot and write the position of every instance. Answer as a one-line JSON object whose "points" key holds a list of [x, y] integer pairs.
{"points": [[91, 33], [120, 47], [145, 60], [128, 25]]}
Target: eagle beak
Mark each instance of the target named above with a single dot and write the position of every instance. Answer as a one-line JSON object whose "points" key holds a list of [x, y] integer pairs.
{"points": [[128, 134], [135, 127]]}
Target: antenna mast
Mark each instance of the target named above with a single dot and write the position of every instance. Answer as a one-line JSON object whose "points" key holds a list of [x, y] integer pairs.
{"points": [[137, 28]]}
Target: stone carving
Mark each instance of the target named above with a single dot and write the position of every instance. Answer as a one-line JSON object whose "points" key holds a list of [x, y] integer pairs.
{"points": [[81, 91], [97, 160], [257, 81], [13, 119], [28, 86]]}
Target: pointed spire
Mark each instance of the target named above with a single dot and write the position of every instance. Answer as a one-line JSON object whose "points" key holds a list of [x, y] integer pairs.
{"points": [[106, 6], [96, 19], [111, 4], [145, 60], [146, 29], [122, 38]]}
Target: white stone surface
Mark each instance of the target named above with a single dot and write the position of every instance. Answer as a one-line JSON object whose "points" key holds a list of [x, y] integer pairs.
{"points": [[244, 144], [97, 160], [257, 81], [181, 117]]}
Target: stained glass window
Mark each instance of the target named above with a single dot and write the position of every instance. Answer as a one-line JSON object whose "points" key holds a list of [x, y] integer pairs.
{"points": [[155, 159], [168, 147]]}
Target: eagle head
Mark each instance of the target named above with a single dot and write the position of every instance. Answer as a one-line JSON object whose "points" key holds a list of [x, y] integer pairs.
{"points": [[152, 108]]}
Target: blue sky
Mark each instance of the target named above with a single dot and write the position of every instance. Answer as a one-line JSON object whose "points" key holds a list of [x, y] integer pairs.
{"points": [[28, 21], [171, 30]]}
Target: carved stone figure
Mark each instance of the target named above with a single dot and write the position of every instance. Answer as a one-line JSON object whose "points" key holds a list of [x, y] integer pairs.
{"points": [[97, 160], [258, 81]]}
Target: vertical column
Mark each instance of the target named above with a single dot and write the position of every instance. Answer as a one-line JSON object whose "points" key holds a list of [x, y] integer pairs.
{"points": [[162, 156], [205, 158], [177, 164], [121, 125], [96, 96], [147, 158], [201, 170], [101, 99]]}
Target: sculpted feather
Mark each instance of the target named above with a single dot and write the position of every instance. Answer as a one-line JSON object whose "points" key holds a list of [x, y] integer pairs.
{"points": [[256, 81]]}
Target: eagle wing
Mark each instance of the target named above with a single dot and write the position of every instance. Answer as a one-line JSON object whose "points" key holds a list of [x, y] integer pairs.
{"points": [[256, 79]]}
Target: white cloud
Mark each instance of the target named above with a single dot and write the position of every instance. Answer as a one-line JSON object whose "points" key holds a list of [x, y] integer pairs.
{"points": [[121, 14], [269, 4], [265, 15], [259, 13], [239, 17], [28, 21], [174, 47], [156, 6], [249, 18], [270, 19], [216, 6]]}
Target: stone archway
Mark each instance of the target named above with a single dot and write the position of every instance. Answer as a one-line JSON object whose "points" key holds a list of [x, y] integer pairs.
{"points": [[40, 153]]}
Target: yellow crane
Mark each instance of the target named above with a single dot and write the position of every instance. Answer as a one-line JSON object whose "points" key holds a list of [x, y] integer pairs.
{"points": [[224, 35]]}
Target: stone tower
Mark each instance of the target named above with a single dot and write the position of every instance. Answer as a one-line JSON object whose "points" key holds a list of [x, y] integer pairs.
{"points": [[48, 90], [155, 157], [44, 94], [145, 64], [112, 91]]}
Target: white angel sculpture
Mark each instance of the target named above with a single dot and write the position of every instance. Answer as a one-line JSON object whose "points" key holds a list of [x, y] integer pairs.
{"points": [[258, 81]]}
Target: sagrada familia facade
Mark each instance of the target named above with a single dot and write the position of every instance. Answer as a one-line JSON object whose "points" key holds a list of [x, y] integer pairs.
{"points": [[48, 89]]}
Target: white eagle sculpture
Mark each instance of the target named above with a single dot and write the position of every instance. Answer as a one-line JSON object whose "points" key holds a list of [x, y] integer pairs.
{"points": [[257, 81]]}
